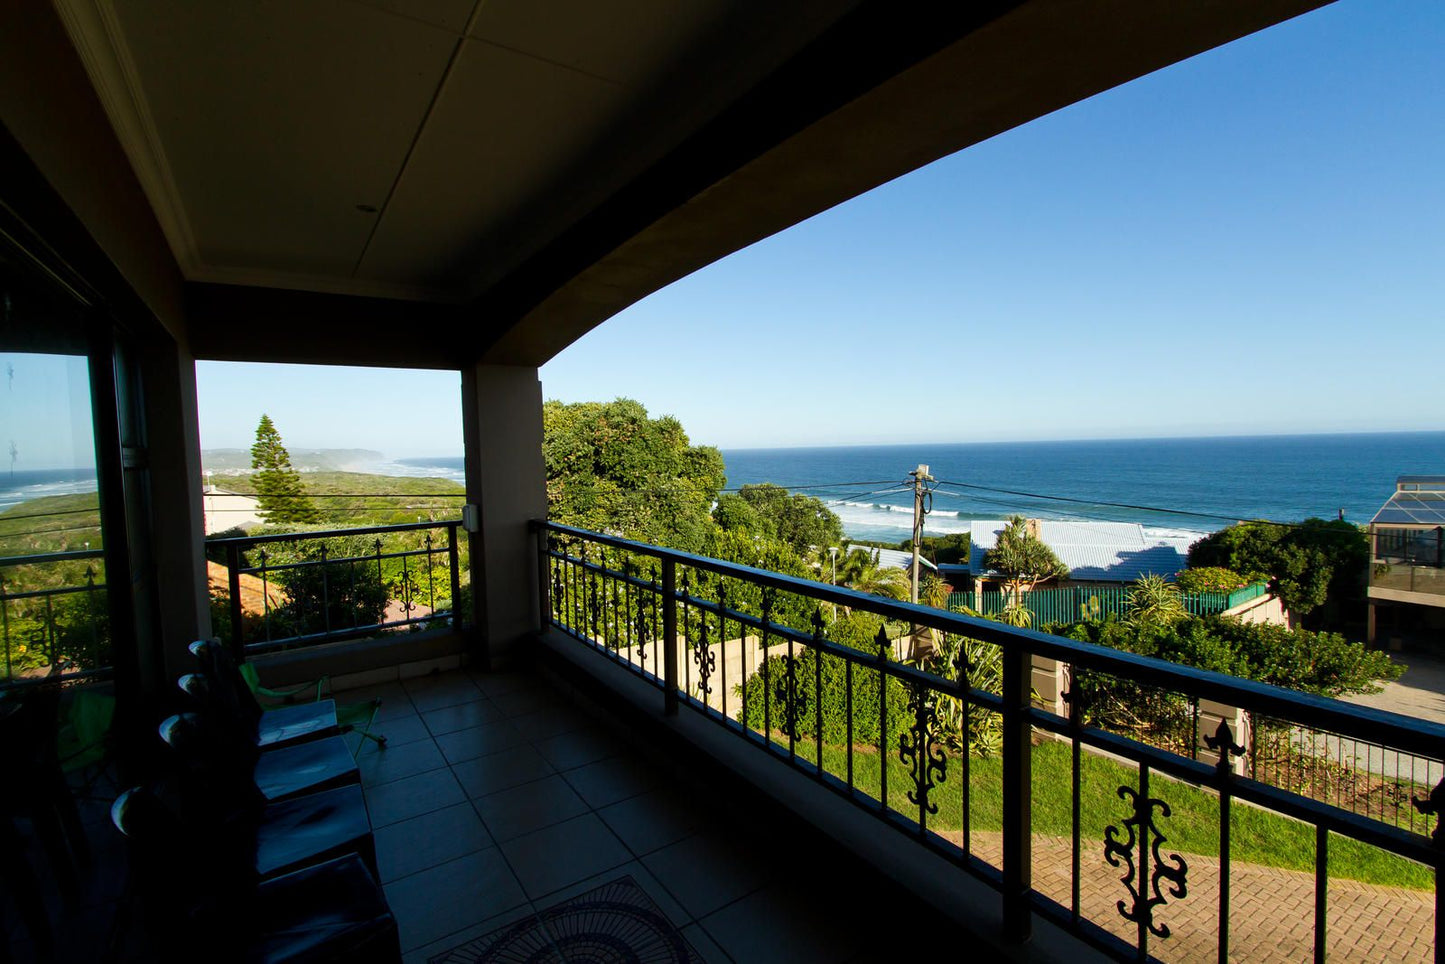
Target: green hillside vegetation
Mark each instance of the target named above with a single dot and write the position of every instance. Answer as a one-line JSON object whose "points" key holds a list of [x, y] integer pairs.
{"points": [[347, 499], [65, 626], [306, 460]]}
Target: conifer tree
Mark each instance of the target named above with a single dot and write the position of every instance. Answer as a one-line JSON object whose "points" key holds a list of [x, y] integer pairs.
{"points": [[279, 489]]}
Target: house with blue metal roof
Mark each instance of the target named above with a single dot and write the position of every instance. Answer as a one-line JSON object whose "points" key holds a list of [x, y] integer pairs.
{"points": [[1407, 557], [1095, 552]]}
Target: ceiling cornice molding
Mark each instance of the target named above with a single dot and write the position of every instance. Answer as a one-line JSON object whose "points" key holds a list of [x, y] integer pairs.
{"points": [[323, 284], [94, 30]]}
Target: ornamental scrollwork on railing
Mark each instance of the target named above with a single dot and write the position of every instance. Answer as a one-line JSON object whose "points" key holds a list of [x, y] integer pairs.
{"points": [[1144, 834], [644, 622], [928, 766], [1222, 742], [703, 657], [1434, 806], [793, 697], [557, 601], [594, 594]]}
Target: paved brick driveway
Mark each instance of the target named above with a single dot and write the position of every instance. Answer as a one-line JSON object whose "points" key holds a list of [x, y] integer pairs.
{"points": [[1271, 911]]}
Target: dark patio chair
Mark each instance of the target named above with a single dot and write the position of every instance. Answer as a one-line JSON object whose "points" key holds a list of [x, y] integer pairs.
{"points": [[227, 693], [201, 900], [34, 784], [212, 753]]}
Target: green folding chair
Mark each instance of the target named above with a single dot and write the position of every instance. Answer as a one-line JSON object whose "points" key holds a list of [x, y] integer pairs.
{"points": [[84, 736], [357, 717]]}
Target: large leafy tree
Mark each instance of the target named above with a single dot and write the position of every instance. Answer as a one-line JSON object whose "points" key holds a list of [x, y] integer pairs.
{"points": [[1022, 558], [1307, 565], [612, 468], [801, 521], [279, 489]]}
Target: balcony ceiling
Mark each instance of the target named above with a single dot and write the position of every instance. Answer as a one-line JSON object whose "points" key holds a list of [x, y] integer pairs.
{"points": [[527, 169]]}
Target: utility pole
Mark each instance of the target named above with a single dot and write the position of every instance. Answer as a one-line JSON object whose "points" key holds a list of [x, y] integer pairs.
{"points": [[921, 478]]}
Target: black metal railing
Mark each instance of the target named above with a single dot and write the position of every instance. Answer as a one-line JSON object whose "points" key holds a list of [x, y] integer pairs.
{"points": [[1066, 819], [53, 616], [295, 589]]}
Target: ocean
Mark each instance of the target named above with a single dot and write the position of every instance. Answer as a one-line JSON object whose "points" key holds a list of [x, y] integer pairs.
{"points": [[1209, 482], [25, 484]]}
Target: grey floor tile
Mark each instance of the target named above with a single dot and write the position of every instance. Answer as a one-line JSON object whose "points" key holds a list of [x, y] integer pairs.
{"points": [[449, 719], [398, 732], [396, 762], [445, 899], [548, 723], [706, 946], [395, 704], [578, 748], [705, 872], [653, 820], [531, 806], [500, 771], [392, 692], [605, 782], [447, 689], [523, 702], [495, 684], [425, 953], [424, 842], [771, 925], [413, 796], [564, 854], [483, 740], [651, 885]]}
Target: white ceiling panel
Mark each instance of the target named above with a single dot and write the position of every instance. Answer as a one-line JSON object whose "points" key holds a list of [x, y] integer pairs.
{"points": [[450, 15], [505, 127], [279, 118], [625, 42]]}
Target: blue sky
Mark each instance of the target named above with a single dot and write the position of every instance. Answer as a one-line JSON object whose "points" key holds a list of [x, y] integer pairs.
{"points": [[44, 412], [1249, 242]]}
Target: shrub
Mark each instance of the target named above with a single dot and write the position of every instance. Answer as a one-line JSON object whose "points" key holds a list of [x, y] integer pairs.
{"points": [[1209, 579], [833, 698]]}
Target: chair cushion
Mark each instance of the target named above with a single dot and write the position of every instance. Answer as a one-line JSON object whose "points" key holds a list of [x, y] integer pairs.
{"points": [[306, 767], [298, 723], [333, 911], [305, 830]]}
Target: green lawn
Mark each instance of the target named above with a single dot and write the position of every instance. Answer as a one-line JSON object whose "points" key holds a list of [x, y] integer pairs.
{"points": [[1257, 836]]}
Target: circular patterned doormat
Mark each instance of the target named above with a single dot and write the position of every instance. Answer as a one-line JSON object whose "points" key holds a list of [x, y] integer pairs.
{"points": [[615, 924]]}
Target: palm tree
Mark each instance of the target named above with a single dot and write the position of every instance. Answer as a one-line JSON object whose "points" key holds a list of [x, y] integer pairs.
{"points": [[860, 570], [1023, 559]]}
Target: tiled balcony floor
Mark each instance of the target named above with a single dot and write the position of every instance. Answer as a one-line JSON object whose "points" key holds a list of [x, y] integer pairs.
{"points": [[497, 798]]}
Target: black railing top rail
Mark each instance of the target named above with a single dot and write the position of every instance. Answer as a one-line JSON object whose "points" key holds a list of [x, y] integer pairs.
{"points": [[68, 556], [245, 541], [58, 591], [439, 550], [1394, 730]]}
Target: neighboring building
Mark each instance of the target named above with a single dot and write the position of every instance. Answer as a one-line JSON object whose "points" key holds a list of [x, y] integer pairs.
{"points": [[227, 510], [1407, 557], [1095, 552], [894, 558]]}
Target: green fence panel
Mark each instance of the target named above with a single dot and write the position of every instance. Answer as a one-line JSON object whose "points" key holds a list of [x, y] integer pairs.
{"points": [[1071, 603]]}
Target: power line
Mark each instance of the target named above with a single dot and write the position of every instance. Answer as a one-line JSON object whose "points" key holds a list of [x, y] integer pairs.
{"points": [[46, 532], [1115, 505], [896, 487], [806, 488], [348, 495], [45, 515]]}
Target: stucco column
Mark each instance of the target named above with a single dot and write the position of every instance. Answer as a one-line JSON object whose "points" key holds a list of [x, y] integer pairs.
{"points": [[178, 531], [506, 480]]}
